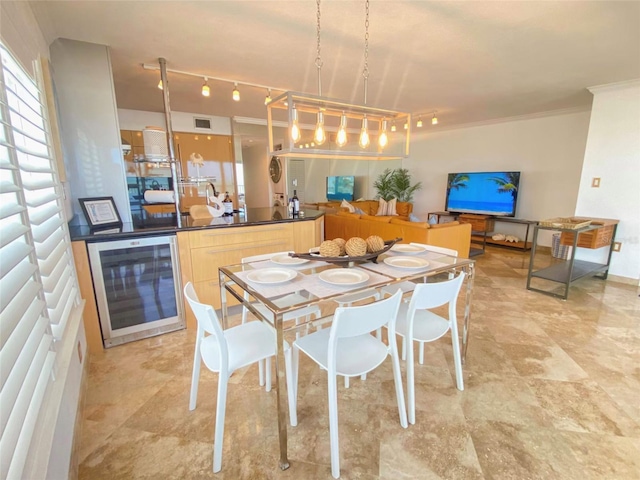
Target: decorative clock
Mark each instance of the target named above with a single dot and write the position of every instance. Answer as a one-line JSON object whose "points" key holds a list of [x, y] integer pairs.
{"points": [[275, 169]]}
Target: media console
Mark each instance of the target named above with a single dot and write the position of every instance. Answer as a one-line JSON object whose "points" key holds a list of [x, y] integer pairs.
{"points": [[483, 226]]}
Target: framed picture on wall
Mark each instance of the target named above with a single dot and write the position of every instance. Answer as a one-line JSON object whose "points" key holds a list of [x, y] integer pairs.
{"points": [[100, 212]]}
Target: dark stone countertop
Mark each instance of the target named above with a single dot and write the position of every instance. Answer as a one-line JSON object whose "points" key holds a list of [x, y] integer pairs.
{"points": [[166, 224]]}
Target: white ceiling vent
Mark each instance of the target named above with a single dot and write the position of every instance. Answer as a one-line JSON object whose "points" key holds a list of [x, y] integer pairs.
{"points": [[204, 123]]}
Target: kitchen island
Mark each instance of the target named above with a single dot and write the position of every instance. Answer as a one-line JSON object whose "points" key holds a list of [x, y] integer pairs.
{"points": [[203, 246]]}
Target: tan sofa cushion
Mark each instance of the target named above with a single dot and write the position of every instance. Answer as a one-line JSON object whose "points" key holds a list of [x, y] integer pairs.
{"points": [[445, 225], [397, 221], [375, 218], [342, 213]]}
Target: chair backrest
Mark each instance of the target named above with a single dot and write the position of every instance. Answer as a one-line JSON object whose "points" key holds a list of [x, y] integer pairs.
{"points": [[205, 314], [354, 321], [264, 256], [433, 248], [432, 295]]}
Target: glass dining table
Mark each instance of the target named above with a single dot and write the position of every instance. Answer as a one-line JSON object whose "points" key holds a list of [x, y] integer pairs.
{"points": [[315, 282]]}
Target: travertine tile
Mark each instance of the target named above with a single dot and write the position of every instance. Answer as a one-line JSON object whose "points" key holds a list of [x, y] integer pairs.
{"points": [[551, 391]]}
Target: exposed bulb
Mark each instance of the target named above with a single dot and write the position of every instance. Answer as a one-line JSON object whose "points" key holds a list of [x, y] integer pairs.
{"points": [[434, 120], [383, 140], [236, 93], [295, 130], [160, 85], [364, 135], [319, 135], [206, 91], [341, 138]]}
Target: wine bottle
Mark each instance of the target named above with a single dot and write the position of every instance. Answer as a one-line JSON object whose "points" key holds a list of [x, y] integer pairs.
{"points": [[296, 203], [228, 204]]}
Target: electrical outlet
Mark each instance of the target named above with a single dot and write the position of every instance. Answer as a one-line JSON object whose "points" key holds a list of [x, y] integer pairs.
{"points": [[595, 183], [617, 246]]}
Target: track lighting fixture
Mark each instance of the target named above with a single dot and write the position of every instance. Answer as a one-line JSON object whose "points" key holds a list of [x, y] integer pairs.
{"points": [[160, 84], [236, 93], [206, 91], [267, 99], [419, 122], [434, 120]]}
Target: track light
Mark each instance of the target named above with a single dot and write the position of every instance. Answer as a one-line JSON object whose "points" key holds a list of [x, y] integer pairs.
{"points": [[341, 138], [364, 134], [267, 99], [393, 126], [434, 120], [236, 93], [419, 123], [160, 84], [406, 125], [319, 135], [206, 91], [295, 130]]}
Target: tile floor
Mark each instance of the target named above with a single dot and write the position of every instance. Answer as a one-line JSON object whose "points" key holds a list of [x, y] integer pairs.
{"points": [[552, 390]]}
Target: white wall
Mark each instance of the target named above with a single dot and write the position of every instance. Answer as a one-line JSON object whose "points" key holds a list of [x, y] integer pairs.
{"points": [[181, 121], [50, 453], [547, 150], [89, 124], [613, 154]]}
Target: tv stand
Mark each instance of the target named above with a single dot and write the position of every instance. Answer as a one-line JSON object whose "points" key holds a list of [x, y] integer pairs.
{"points": [[481, 233]]}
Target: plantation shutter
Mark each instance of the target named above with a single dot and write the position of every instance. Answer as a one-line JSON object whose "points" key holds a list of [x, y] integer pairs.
{"points": [[38, 285]]}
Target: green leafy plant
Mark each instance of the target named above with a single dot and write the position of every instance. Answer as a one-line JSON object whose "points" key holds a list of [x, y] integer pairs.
{"points": [[396, 184]]}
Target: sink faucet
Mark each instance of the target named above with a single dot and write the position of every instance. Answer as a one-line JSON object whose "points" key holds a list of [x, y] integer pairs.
{"points": [[213, 187]]}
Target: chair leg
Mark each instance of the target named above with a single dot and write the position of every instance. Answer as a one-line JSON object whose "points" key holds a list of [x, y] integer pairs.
{"points": [[333, 426], [346, 382], [363, 376], [421, 354], [404, 348], [195, 378], [397, 380], [245, 310], [221, 407], [261, 372], [457, 360], [291, 392], [267, 373], [411, 385]]}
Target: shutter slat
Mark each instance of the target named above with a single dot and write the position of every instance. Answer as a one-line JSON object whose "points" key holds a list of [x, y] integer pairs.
{"points": [[10, 209], [38, 184], [12, 255], [42, 232], [25, 299], [40, 200], [14, 280], [53, 260], [54, 288], [55, 313], [7, 187], [41, 215], [59, 328], [12, 232]]}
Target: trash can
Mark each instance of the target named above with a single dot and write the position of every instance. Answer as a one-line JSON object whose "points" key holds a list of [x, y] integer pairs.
{"points": [[558, 250]]}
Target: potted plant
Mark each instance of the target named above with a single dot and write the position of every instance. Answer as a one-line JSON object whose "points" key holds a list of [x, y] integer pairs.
{"points": [[396, 184]]}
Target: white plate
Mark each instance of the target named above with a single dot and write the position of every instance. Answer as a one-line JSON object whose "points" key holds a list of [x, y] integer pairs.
{"points": [[343, 276], [284, 259], [271, 275], [406, 262], [408, 249]]}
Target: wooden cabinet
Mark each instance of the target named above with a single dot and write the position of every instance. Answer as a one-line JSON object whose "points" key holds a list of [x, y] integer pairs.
{"points": [[202, 252], [217, 154]]}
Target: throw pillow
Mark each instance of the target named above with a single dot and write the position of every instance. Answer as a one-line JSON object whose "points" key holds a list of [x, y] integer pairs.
{"points": [[413, 218], [346, 204], [359, 211], [387, 208]]}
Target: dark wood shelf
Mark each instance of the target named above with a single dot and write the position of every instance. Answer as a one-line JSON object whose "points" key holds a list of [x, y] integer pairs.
{"points": [[560, 271]]}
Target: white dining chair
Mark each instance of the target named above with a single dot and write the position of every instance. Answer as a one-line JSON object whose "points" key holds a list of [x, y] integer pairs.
{"points": [[417, 323], [349, 349], [285, 301], [224, 352], [408, 286]]}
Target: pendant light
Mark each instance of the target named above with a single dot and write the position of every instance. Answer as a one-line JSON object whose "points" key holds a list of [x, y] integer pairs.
{"points": [[236, 93], [267, 99], [434, 120], [383, 140], [364, 134], [295, 129], [419, 122], [206, 91], [341, 138], [319, 135]]}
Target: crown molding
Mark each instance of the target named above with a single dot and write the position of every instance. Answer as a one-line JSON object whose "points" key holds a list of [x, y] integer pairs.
{"points": [[610, 87]]}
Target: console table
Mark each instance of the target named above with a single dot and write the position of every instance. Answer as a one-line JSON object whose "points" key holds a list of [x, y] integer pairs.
{"points": [[481, 232], [601, 233]]}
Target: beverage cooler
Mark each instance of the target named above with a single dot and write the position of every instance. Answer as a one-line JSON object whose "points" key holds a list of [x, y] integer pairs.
{"points": [[137, 286]]}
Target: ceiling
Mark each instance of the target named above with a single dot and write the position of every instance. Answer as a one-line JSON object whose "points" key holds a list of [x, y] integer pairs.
{"points": [[472, 61]]}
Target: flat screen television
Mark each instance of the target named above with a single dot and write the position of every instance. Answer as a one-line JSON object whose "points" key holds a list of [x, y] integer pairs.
{"points": [[340, 187], [485, 193]]}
